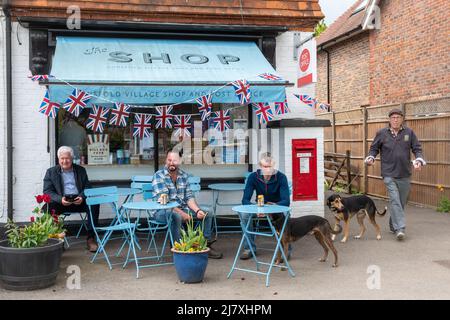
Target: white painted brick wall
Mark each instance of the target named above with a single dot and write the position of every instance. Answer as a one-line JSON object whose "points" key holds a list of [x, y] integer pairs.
{"points": [[3, 186], [29, 131], [287, 68]]}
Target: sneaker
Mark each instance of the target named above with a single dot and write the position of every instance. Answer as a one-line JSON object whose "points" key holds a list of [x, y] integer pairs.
{"points": [[246, 254], [400, 234], [92, 245], [391, 227]]}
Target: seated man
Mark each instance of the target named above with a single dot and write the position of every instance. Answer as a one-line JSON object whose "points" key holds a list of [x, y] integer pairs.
{"points": [[173, 181], [66, 179], [270, 183]]}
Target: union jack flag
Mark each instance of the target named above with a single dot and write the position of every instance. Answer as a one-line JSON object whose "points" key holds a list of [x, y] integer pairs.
{"points": [[50, 109], [97, 118], [242, 89], [269, 76], [164, 117], [221, 120], [40, 77], [306, 99], [182, 125], [142, 125], [76, 102], [263, 111], [281, 107], [324, 106], [120, 114], [205, 106]]}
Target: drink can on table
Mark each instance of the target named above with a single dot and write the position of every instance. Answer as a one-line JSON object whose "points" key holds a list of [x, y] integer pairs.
{"points": [[260, 200]]}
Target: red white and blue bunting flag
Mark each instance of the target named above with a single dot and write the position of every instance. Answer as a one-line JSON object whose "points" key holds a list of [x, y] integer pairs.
{"points": [[50, 109], [76, 102], [97, 118], [323, 106], [281, 108], [39, 77], [205, 106], [164, 117], [221, 120], [182, 124], [142, 125], [306, 99], [242, 89], [269, 76], [120, 113], [263, 111]]}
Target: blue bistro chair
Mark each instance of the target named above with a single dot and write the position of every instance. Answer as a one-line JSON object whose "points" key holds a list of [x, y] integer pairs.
{"points": [[155, 226], [194, 184], [108, 195], [138, 181], [83, 221]]}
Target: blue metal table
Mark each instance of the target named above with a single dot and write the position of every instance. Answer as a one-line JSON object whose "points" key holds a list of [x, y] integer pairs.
{"points": [[151, 206], [216, 189], [265, 210]]}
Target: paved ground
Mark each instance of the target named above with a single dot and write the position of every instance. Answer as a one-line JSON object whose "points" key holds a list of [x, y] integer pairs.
{"points": [[417, 268]]}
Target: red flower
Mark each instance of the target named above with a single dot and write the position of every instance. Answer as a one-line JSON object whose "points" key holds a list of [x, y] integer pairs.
{"points": [[46, 198], [39, 199], [32, 219]]}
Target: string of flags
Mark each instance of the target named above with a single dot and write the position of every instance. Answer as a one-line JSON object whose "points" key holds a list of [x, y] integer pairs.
{"points": [[164, 117]]}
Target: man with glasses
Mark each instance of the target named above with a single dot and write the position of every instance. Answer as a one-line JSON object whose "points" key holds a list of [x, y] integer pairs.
{"points": [[395, 144], [270, 183]]}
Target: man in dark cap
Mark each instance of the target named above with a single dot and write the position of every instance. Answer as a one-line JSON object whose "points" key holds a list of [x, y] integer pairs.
{"points": [[395, 144]]}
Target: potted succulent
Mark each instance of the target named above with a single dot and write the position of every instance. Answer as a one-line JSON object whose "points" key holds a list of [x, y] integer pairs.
{"points": [[190, 254], [30, 257]]}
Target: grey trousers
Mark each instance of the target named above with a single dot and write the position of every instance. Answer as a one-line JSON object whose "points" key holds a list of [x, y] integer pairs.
{"points": [[398, 191]]}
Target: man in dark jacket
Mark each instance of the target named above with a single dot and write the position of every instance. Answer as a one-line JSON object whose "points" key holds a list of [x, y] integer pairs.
{"points": [[270, 183], [395, 144], [65, 183]]}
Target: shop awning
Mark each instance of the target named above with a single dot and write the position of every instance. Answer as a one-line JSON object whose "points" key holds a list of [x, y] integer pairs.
{"points": [[159, 71]]}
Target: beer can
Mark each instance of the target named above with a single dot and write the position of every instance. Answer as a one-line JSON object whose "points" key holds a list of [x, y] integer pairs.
{"points": [[260, 200]]}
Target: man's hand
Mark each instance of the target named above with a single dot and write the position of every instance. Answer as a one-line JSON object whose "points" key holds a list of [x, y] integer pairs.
{"points": [[78, 200], [369, 161], [417, 165], [201, 214], [65, 202], [185, 217]]}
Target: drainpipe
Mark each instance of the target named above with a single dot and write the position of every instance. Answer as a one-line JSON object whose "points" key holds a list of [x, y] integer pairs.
{"points": [[9, 122], [328, 76]]}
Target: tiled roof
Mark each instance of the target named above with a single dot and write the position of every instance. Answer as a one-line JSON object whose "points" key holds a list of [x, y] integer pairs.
{"points": [[347, 22], [291, 13]]}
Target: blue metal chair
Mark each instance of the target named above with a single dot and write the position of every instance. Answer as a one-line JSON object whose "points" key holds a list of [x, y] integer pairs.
{"points": [[108, 195], [138, 181], [83, 219], [194, 184]]}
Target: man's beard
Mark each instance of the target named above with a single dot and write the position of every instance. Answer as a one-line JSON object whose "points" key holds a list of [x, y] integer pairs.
{"points": [[172, 168]]}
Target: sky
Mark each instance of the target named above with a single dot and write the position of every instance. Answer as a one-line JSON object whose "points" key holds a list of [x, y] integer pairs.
{"points": [[332, 9]]}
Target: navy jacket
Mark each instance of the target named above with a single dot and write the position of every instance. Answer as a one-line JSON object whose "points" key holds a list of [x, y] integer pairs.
{"points": [[276, 190], [53, 182]]}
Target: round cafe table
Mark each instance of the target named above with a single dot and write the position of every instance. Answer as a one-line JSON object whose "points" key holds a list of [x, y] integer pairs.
{"points": [[265, 211]]}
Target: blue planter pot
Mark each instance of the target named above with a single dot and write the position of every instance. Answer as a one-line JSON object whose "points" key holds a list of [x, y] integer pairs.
{"points": [[190, 266]]}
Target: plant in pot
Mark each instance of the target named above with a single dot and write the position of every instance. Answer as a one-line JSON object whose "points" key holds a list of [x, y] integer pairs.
{"points": [[30, 257], [190, 254]]}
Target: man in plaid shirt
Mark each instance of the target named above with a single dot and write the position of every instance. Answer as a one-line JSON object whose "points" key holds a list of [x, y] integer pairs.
{"points": [[173, 181]]}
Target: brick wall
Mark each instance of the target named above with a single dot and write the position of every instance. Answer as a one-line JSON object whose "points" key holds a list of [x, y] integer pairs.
{"points": [[349, 73], [410, 53], [29, 131]]}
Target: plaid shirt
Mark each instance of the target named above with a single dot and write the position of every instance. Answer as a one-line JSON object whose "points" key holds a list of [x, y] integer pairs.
{"points": [[181, 192]]}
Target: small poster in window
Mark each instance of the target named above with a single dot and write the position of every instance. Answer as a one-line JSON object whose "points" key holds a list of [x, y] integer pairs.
{"points": [[98, 149]]}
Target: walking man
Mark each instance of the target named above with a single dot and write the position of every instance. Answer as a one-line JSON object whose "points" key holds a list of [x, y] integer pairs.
{"points": [[395, 143]]}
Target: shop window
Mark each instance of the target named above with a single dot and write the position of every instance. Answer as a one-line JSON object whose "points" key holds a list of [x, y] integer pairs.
{"points": [[112, 155]]}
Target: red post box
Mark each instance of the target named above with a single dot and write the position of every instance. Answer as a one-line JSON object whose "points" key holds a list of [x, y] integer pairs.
{"points": [[304, 169]]}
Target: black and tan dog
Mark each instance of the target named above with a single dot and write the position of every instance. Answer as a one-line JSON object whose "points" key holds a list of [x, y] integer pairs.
{"points": [[296, 228], [345, 208]]}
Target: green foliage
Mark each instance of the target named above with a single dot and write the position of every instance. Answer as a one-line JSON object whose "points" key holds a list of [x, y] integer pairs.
{"points": [[35, 234], [444, 205], [192, 240], [320, 27]]}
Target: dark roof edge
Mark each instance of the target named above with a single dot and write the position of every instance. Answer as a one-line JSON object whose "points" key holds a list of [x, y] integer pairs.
{"points": [[347, 35], [299, 123]]}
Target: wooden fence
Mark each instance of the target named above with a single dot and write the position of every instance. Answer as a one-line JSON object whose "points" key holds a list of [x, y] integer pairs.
{"points": [[355, 129]]}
